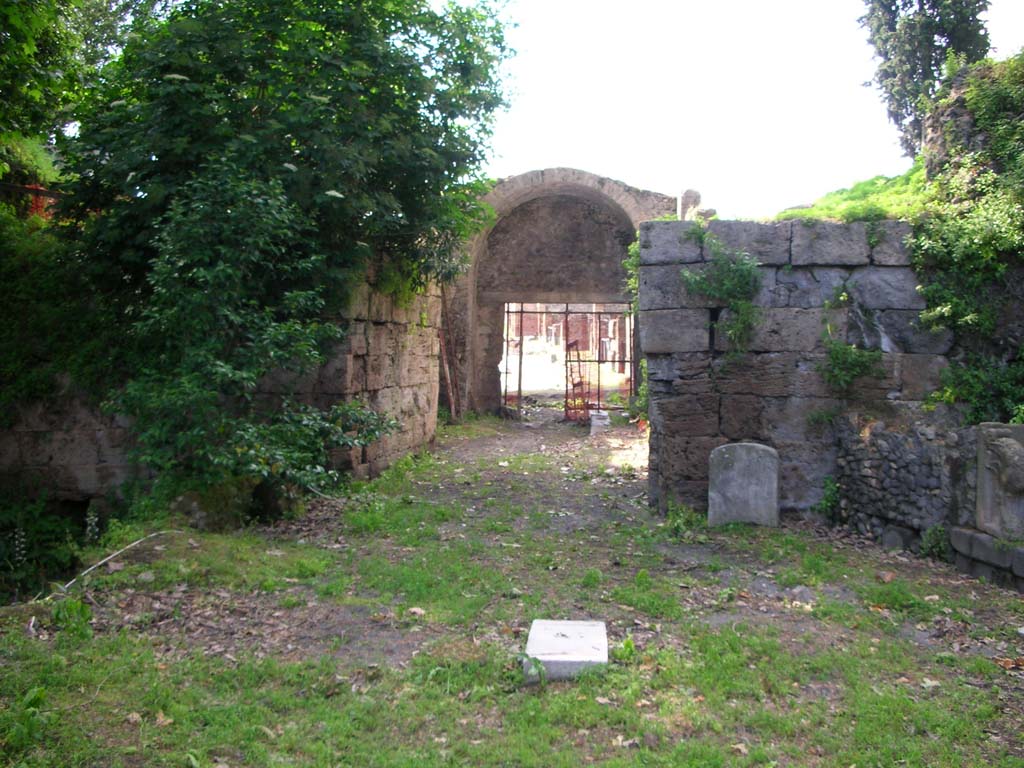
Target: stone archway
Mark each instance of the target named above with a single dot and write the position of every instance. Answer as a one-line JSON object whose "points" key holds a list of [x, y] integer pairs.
{"points": [[560, 236]]}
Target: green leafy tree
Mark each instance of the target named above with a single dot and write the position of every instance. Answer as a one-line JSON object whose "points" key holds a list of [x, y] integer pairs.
{"points": [[240, 166], [38, 68], [913, 39]]}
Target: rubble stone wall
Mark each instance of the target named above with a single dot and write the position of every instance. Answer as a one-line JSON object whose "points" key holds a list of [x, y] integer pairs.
{"points": [[702, 397], [388, 360]]}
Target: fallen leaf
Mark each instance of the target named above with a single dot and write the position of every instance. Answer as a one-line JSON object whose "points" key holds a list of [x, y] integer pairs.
{"points": [[134, 718], [929, 683], [603, 700], [416, 611], [114, 566], [1006, 663], [269, 733], [931, 598], [740, 749], [886, 577], [163, 720]]}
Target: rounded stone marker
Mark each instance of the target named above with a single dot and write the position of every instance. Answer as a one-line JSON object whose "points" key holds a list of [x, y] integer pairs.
{"points": [[743, 485]]}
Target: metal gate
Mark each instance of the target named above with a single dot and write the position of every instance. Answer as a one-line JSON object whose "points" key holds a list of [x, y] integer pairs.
{"points": [[583, 350]]}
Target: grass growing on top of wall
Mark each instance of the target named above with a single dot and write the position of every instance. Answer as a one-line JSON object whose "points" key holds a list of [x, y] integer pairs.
{"points": [[882, 197]]}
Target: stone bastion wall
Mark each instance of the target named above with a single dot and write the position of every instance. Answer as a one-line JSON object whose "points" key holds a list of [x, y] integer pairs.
{"points": [[388, 360], [702, 397]]}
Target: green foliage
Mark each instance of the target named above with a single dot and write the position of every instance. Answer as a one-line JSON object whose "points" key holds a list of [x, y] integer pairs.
{"points": [[913, 40], [627, 652], [935, 543], [239, 168], [38, 70], [25, 721], [50, 325], [233, 299], [683, 520], [991, 390], [828, 505], [969, 247], [37, 545], [72, 616], [371, 116], [733, 279], [877, 199], [845, 363], [632, 266]]}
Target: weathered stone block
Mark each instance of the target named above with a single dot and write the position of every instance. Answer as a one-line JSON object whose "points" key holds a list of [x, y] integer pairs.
{"points": [[667, 242], [1000, 499], [661, 287], [900, 331], [768, 243], [821, 243], [886, 288], [920, 375], [741, 417], [743, 485], [1018, 561], [787, 330], [803, 464], [807, 287], [771, 374], [960, 539], [897, 537], [685, 457], [793, 419], [889, 247], [665, 331], [695, 415], [565, 648]]}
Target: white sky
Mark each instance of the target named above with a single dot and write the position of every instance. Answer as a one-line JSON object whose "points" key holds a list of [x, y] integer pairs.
{"points": [[757, 104]]}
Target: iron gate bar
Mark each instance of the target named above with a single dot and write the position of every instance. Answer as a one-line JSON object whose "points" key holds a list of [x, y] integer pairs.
{"points": [[592, 313]]}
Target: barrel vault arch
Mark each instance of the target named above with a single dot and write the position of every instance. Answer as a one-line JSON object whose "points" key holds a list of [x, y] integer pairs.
{"points": [[559, 235]]}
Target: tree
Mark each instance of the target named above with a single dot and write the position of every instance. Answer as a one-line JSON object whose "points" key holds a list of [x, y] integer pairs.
{"points": [[37, 64], [237, 169], [913, 39]]}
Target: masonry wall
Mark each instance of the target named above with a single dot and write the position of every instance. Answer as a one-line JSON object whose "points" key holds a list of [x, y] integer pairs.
{"points": [[388, 360], [701, 397]]}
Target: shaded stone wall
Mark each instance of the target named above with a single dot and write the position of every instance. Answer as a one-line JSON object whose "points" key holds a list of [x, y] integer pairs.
{"points": [[903, 475], [388, 360], [775, 394]]}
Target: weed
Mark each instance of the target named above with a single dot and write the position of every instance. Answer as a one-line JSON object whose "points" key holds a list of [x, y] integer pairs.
{"points": [[935, 543], [683, 521], [592, 578], [845, 363], [26, 721], [733, 278], [627, 652], [828, 505], [72, 616]]}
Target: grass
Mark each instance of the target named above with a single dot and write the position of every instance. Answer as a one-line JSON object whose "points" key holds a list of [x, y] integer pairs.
{"points": [[882, 197], [700, 675]]}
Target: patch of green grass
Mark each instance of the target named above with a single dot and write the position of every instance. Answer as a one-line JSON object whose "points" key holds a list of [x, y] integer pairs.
{"points": [[449, 581], [897, 197], [591, 579], [240, 560], [654, 597], [898, 596]]}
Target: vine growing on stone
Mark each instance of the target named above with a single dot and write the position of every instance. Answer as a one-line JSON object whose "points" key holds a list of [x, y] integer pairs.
{"points": [[731, 278]]}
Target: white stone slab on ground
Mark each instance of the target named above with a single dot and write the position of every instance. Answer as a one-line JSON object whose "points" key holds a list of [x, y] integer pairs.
{"points": [[600, 421], [565, 648]]}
